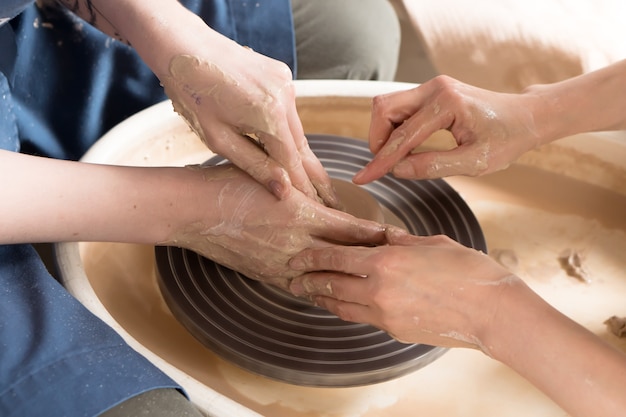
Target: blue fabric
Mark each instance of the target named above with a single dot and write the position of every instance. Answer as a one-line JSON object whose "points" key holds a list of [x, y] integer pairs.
{"points": [[11, 8], [58, 359], [8, 122], [8, 51], [74, 83], [63, 84]]}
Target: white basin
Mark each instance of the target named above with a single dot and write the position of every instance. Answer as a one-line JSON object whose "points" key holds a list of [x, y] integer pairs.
{"points": [[567, 195]]}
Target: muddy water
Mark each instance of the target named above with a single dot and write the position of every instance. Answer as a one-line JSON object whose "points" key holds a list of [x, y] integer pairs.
{"points": [[530, 215]]}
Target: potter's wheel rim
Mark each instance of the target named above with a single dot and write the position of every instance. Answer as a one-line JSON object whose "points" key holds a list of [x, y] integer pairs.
{"points": [[271, 333]]}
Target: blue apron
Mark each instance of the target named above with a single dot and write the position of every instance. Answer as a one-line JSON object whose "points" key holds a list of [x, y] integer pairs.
{"points": [[62, 85], [73, 83]]}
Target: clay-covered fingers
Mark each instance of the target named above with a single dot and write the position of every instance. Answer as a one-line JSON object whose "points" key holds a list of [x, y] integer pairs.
{"points": [[275, 162], [341, 294], [335, 258], [248, 115], [249, 156], [338, 281], [491, 130], [273, 125], [285, 143], [341, 277], [388, 112], [336, 226], [286, 148], [357, 260], [401, 122], [303, 167], [319, 177], [471, 159]]}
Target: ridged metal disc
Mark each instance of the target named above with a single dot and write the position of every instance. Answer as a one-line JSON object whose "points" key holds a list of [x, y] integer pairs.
{"points": [[272, 333]]}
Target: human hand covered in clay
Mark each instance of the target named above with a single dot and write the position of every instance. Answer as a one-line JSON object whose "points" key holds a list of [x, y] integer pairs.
{"points": [[246, 112], [418, 289], [491, 130], [435, 291], [249, 230], [219, 211], [230, 95]]}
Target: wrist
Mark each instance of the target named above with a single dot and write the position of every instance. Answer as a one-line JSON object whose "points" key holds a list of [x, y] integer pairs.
{"points": [[166, 23], [587, 103], [551, 120], [199, 200], [513, 315]]}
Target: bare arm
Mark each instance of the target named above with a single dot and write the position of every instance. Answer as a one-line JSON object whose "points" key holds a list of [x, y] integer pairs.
{"points": [[588, 103], [491, 129], [433, 290], [241, 103], [220, 212], [574, 367], [50, 200]]}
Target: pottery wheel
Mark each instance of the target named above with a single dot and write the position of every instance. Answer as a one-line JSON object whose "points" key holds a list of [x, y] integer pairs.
{"points": [[272, 333]]}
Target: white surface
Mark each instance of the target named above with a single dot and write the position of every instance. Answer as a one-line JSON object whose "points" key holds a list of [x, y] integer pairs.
{"points": [[506, 45], [462, 383]]}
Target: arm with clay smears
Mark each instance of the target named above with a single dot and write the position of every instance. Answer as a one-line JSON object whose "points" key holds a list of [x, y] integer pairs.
{"points": [[241, 103], [220, 212], [433, 290], [491, 129]]}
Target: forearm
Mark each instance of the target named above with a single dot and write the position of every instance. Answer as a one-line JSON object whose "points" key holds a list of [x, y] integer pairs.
{"points": [[47, 200], [578, 370], [158, 29], [590, 102]]}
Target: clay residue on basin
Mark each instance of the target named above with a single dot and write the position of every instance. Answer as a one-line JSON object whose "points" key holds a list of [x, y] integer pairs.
{"points": [[532, 214]]}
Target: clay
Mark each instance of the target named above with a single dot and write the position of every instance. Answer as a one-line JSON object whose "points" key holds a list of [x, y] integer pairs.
{"points": [[617, 325], [186, 83], [443, 167], [572, 263], [357, 201], [505, 257], [533, 214]]}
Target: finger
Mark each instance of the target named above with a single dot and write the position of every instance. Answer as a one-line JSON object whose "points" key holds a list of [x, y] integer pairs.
{"points": [[340, 287], [402, 142], [337, 258], [382, 122], [389, 111], [289, 147], [338, 226], [248, 156], [468, 160], [401, 237], [282, 151], [315, 172], [320, 179], [330, 284], [354, 312]]}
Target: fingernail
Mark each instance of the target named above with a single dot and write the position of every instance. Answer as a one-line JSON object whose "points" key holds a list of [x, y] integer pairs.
{"points": [[297, 264], [277, 189], [358, 177], [296, 288], [404, 169]]}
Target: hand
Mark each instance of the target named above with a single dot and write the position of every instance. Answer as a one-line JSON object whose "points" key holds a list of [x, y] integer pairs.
{"points": [[247, 229], [491, 130], [427, 290], [243, 108], [217, 211], [240, 103]]}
